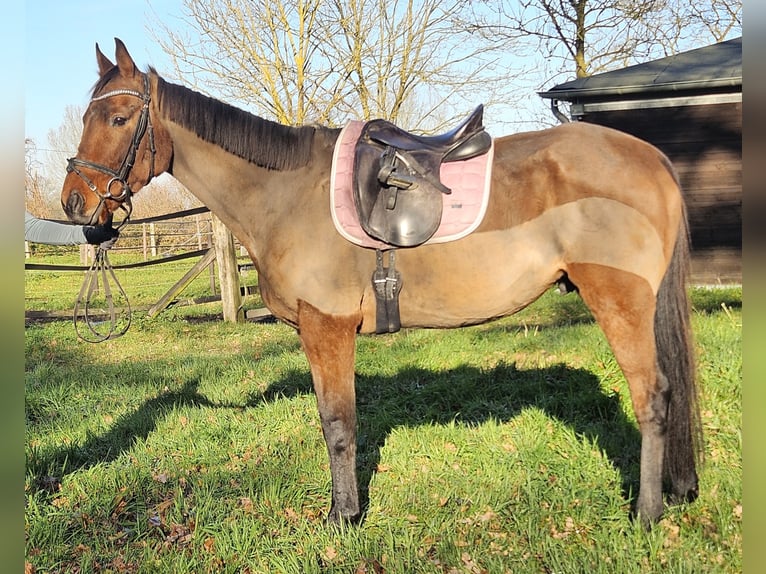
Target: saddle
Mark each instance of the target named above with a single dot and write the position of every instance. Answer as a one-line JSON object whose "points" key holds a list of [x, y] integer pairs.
{"points": [[397, 190]]}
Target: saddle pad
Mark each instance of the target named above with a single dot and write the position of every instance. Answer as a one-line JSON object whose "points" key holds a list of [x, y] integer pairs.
{"points": [[463, 209]]}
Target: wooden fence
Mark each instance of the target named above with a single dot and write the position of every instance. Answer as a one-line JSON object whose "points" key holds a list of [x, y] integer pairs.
{"points": [[194, 233]]}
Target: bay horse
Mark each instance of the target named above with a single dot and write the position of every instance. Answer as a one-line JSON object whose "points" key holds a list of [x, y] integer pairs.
{"points": [[580, 205]]}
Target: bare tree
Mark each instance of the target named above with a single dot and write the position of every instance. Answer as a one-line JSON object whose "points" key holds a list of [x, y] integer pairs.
{"points": [[302, 61], [584, 37], [707, 22], [62, 144], [35, 199], [164, 194], [407, 62], [63, 140]]}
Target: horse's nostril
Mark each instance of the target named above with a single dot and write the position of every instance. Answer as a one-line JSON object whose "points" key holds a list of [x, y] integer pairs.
{"points": [[74, 203]]}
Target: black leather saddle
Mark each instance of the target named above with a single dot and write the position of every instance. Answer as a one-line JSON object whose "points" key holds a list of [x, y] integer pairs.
{"points": [[397, 190]]}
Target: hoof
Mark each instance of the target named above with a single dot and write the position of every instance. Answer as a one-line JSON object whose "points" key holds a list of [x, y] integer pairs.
{"points": [[647, 521], [686, 491], [337, 518], [649, 512]]}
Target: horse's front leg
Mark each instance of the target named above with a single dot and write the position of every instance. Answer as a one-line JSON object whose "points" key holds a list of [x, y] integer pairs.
{"points": [[329, 344]]}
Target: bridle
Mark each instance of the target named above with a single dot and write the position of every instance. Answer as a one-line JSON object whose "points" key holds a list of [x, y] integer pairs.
{"points": [[101, 271], [120, 176]]}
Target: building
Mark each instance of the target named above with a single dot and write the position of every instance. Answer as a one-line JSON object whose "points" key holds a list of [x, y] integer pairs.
{"points": [[690, 106]]}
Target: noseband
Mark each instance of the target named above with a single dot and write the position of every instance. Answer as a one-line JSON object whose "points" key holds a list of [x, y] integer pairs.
{"points": [[120, 177]]}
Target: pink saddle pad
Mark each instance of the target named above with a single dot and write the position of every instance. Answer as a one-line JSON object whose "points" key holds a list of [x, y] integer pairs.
{"points": [[463, 209]]}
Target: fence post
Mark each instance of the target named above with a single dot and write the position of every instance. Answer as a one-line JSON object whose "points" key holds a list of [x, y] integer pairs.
{"points": [[199, 232], [87, 253], [152, 239], [228, 272], [143, 241]]}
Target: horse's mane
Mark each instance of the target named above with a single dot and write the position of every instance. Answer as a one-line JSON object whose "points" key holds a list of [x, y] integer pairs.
{"points": [[262, 142]]}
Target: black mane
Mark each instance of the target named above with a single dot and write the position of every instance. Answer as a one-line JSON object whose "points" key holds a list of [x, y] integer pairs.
{"points": [[259, 141]]}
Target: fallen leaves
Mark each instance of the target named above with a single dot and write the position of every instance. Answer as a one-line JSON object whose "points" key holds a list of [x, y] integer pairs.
{"points": [[569, 529], [471, 564], [368, 566], [164, 519], [329, 554], [209, 544], [246, 504], [179, 534], [160, 477]]}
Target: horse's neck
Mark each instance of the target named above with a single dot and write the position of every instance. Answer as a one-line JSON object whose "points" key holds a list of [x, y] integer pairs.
{"points": [[240, 193], [222, 182]]}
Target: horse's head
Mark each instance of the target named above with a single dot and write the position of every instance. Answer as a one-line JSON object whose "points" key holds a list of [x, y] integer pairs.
{"points": [[123, 143]]}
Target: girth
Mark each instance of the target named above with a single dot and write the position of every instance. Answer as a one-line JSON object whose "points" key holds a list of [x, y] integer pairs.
{"points": [[397, 190]]}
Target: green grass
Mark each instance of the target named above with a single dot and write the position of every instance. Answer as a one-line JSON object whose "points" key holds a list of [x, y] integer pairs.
{"points": [[57, 290], [195, 446]]}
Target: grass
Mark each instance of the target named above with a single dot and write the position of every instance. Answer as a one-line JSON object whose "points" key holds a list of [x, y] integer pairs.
{"points": [[57, 290], [195, 446]]}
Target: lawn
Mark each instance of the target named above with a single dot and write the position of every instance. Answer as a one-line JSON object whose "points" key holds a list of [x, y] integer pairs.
{"points": [[191, 445]]}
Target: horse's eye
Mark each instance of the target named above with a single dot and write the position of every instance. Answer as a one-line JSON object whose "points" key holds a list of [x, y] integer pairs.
{"points": [[118, 121]]}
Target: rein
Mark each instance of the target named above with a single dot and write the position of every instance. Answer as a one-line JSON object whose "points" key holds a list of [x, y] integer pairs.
{"points": [[95, 304], [120, 176]]}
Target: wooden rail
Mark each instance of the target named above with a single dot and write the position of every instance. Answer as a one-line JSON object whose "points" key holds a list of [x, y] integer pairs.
{"points": [[221, 251]]}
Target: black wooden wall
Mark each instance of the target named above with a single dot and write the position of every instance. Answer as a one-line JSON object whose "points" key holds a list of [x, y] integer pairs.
{"points": [[704, 142]]}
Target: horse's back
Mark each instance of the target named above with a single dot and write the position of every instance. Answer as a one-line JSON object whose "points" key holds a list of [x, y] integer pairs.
{"points": [[536, 171]]}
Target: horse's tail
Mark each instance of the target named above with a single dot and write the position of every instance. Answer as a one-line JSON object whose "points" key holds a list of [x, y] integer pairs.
{"points": [[676, 360]]}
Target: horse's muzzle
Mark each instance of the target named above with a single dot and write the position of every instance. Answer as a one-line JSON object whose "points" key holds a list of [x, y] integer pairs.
{"points": [[74, 206]]}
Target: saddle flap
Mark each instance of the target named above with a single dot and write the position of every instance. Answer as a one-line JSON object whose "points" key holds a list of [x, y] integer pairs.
{"points": [[397, 216], [396, 177]]}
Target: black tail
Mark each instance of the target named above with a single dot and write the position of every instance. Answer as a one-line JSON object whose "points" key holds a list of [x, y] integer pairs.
{"points": [[675, 358]]}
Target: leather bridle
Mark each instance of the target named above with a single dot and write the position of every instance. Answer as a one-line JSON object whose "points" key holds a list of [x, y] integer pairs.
{"points": [[120, 176]]}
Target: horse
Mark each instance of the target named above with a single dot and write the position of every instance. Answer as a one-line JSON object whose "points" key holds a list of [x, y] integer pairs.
{"points": [[586, 207]]}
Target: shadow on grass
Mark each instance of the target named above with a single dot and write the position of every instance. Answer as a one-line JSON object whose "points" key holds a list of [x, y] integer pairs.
{"points": [[122, 435], [472, 396], [48, 468], [412, 397]]}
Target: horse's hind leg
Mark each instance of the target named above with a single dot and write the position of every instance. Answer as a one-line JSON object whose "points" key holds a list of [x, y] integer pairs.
{"points": [[624, 306], [329, 344]]}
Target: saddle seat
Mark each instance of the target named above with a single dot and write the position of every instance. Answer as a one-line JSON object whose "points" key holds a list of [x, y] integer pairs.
{"points": [[465, 141], [397, 187]]}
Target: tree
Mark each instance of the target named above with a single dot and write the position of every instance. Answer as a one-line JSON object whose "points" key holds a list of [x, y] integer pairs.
{"points": [[35, 200], [584, 37], [712, 21], [576, 38], [62, 144], [45, 168], [303, 61], [164, 194], [404, 60]]}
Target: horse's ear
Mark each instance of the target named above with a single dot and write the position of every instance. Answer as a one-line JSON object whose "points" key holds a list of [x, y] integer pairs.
{"points": [[124, 61], [104, 63]]}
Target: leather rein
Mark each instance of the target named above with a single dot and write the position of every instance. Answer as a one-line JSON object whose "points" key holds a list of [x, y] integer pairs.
{"points": [[120, 176]]}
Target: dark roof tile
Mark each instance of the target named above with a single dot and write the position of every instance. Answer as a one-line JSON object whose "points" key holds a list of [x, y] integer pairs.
{"points": [[711, 67]]}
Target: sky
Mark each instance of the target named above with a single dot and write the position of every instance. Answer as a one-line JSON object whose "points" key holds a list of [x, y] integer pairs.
{"points": [[60, 56], [61, 37]]}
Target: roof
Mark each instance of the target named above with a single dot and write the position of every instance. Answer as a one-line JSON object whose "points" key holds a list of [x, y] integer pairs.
{"points": [[713, 68]]}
